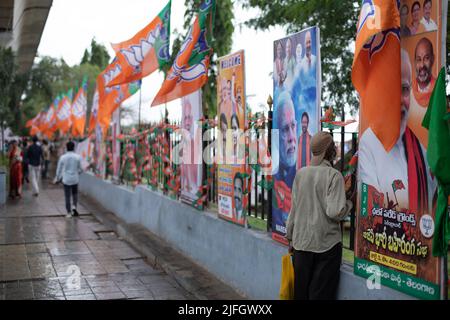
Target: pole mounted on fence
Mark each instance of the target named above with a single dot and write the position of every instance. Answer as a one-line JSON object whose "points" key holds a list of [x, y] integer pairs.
{"points": [[269, 142]]}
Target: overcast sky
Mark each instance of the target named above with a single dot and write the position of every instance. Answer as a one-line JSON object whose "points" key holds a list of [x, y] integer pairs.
{"points": [[73, 23]]}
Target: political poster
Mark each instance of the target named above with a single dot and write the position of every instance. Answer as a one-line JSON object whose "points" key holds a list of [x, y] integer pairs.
{"points": [[190, 151], [296, 116], [85, 149], [397, 199], [115, 132], [232, 181], [99, 152]]}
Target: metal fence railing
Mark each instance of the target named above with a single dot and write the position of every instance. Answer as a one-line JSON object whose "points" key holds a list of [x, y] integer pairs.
{"points": [[159, 171]]}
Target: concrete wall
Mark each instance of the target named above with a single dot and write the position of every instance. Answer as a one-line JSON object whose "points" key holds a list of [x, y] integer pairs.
{"points": [[248, 260]]}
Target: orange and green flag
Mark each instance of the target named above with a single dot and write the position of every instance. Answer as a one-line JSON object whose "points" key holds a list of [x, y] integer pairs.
{"points": [[34, 123], [376, 69], [94, 113], [64, 114], [110, 97], [79, 107], [189, 71], [48, 126], [146, 51]]}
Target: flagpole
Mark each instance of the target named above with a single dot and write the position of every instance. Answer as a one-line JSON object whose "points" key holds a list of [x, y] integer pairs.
{"points": [[140, 101]]}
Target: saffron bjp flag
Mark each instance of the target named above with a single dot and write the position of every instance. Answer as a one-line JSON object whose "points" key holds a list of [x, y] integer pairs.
{"points": [[94, 113], [79, 107], [146, 51], [34, 123], [189, 71], [110, 98], [64, 114], [48, 127], [376, 69]]}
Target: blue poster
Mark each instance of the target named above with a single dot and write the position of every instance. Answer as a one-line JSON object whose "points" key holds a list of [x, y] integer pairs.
{"points": [[296, 116]]}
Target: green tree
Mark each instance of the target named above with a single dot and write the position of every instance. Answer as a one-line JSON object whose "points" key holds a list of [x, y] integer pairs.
{"points": [[86, 57], [7, 73], [337, 22], [99, 55], [221, 44]]}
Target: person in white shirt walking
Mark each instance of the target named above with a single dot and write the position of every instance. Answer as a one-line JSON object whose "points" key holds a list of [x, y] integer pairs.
{"points": [[68, 171]]}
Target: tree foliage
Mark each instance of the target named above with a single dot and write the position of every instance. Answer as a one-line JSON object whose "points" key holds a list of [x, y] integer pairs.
{"points": [[221, 44], [7, 79], [337, 22], [97, 56]]}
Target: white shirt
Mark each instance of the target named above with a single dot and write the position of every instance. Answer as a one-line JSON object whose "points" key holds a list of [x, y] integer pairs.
{"points": [[69, 168], [428, 25], [380, 169]]}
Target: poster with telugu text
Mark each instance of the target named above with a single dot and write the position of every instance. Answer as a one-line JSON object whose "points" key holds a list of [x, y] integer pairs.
{"points": [[397, 192], [232, 180]]}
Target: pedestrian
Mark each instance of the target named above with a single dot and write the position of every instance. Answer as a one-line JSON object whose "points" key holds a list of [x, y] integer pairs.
{"points": [[313, 227], [46, 154], [25, 161], [68, 172], [15, 170], [35, 159]]}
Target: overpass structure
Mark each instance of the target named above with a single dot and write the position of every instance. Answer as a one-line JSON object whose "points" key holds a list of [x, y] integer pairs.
{"points": [[22, 23]]}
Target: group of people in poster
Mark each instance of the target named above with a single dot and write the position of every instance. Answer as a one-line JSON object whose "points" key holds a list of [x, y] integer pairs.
{"points": [[296, 81], [231, 142], [398, 191]]}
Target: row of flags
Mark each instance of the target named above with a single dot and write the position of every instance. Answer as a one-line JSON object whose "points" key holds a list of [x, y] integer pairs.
{"points": [[66, 114], [138, 57], [148, 51]]}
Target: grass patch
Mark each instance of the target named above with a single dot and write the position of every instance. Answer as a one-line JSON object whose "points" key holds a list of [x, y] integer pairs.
{"points": [[4, 162], [4, 165], [256, 223]]}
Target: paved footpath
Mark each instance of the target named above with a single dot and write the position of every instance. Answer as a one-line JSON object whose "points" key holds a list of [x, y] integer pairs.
{"points": [[44, 255]]}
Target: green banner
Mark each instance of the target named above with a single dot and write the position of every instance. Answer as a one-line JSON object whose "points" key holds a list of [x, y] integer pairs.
{"points": [[399, 281]]}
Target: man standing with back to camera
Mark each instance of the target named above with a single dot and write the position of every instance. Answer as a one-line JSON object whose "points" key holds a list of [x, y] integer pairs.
{"points": [[68, 171], [313, 224]]}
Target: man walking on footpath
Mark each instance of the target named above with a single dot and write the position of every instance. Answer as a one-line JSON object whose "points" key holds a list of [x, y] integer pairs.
{"points": [[313, 230], [68, 171], [35, 159]]}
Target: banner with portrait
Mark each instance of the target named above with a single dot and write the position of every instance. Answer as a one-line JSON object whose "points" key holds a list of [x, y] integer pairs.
{"points": [[296, 116], [99, 152], [85, 149], [397, 200], [232, 181], [190, 149], [115, 149]]}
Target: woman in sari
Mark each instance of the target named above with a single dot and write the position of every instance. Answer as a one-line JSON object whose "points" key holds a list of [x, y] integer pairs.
{"points": [[15, 171]]}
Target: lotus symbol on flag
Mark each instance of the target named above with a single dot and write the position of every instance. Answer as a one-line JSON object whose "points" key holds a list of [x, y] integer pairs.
{"points": [[65, 111], [377, 42], [49, 115], [367, 12], [111, 74], [136, 54], [193, 72], [78, 107]]}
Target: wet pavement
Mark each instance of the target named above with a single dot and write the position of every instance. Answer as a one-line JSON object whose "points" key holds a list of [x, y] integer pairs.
{"points": [[44, 255]]}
